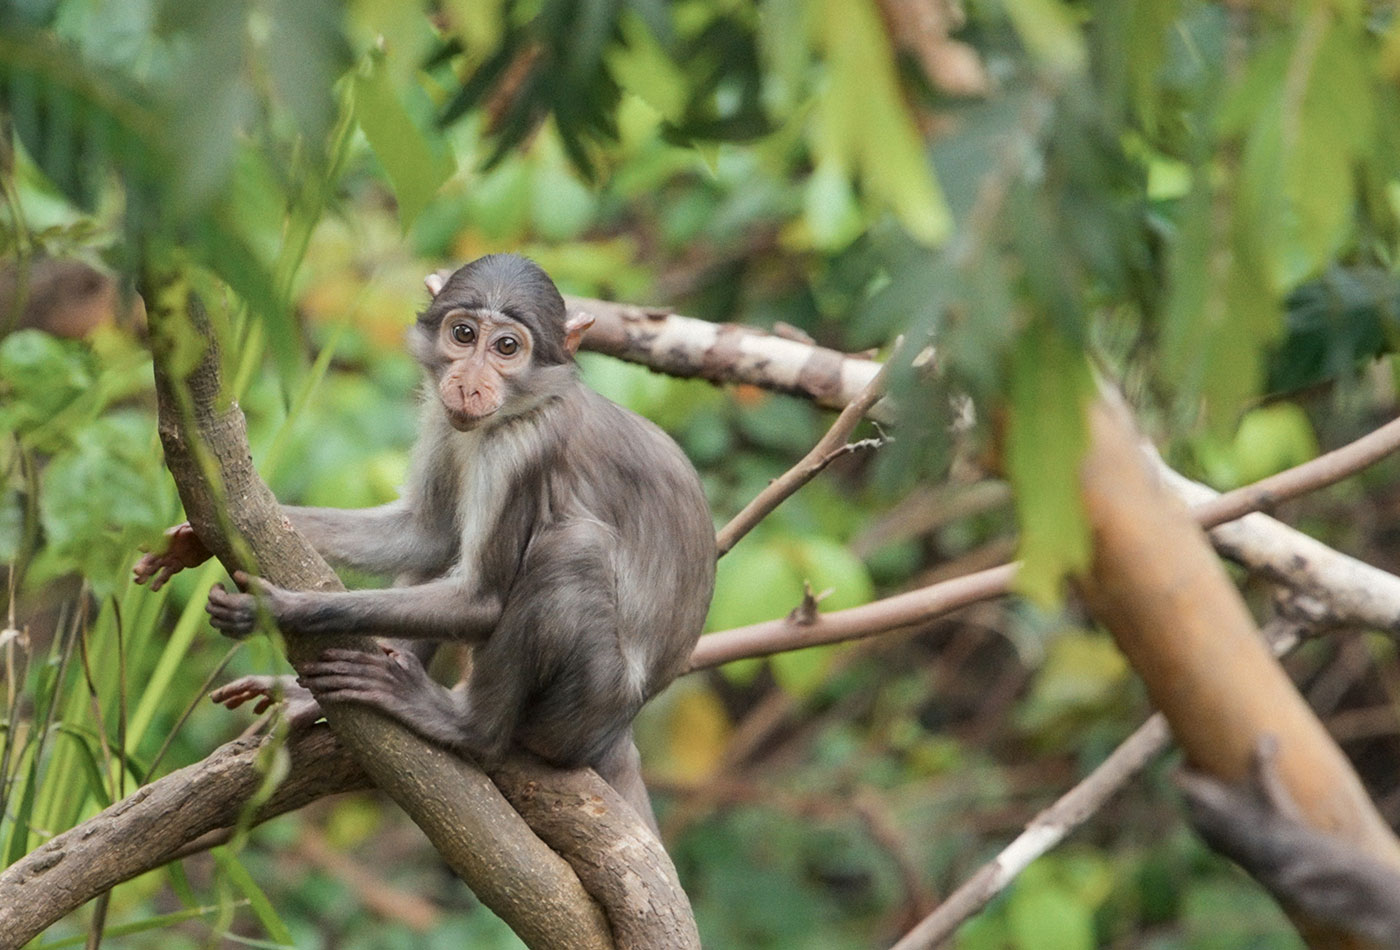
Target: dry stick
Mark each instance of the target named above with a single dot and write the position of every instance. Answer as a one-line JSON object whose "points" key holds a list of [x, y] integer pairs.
{"points": [[829, 448], [1069, 811], [917, 606], [1045, 831]]}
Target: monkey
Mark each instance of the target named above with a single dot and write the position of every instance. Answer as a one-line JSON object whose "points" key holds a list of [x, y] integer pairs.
{"points": [[566, 539]]}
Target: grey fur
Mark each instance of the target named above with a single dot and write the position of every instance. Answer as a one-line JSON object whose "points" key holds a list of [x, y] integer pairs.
{"points": [[569, 540]]}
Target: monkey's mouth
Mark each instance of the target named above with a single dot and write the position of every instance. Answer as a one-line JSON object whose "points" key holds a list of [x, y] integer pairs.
{"points": [[465, 422]]}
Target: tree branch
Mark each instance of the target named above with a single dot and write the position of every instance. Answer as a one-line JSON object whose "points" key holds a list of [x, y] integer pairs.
{"points": [[155, 825], [828, 448], [1055, 823], [725, 353], [1158, 587], [218, 787]]}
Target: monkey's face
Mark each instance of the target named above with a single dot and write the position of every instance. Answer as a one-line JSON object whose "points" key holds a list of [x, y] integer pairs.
{"points": [[482, 355]]}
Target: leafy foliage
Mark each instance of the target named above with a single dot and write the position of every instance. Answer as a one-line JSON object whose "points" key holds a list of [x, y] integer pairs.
{"points": [[1200, 197]]}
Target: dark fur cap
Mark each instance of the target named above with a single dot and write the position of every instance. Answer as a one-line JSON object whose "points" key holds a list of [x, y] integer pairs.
{"points": [[513, 286]]}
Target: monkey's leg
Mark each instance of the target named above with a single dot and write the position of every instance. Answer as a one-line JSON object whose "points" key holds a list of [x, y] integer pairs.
{"points": [[395, 683], [621, 767], [555, 674]]}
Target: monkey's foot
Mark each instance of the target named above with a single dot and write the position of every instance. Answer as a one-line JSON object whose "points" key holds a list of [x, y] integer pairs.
{"points": [[300, 708], [392, 682]]}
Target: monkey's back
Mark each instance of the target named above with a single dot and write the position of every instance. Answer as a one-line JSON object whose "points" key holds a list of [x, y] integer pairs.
{"points": [[628, 474]]}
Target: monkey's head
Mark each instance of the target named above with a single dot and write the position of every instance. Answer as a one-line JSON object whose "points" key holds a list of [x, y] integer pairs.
{"points": [[496, 339]]}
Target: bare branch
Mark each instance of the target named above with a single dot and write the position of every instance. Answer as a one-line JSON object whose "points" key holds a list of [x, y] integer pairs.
{"points": [[891, 613], [1355, 592], [155, 825], [1045, 831], [1324, 470], [829, 448], [1072, 809], [725, 353]]}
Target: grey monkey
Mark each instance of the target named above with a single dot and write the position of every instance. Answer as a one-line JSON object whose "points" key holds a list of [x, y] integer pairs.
{"points": [[563, 537]]}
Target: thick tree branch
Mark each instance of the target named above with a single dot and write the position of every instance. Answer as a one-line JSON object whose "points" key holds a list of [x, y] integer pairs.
{"points": [[1055, 823], [725, 353], [1159, 588], [1354, 592], [156, 824]]}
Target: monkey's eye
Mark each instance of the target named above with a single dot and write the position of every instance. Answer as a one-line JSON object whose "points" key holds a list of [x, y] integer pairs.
{"points": [[507, 345], [463, 334]]}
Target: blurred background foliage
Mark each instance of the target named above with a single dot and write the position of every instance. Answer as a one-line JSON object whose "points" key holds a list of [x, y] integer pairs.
{"points": [[1201, 196]]}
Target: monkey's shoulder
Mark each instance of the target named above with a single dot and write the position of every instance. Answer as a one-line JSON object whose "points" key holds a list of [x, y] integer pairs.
{"points": [[600, 428]]}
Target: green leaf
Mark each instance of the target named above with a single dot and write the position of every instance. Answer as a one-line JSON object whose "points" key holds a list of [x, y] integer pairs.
{"points": [[800, 673], [306, 53], [1048, 29], [240, 878], [756, 581], [1221, 314], [39, 377], [643, 68], [1045, 916], [861, 122], [1306, 110], [1045, 440], [417, 164], [1082, 674], [830, 209]]}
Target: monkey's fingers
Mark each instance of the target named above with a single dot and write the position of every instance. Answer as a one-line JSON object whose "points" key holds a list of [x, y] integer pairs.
{"points": [[237, 692], [232, 614]]}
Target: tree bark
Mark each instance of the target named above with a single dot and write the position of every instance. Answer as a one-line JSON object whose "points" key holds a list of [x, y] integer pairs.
{"points": [[157, 822], [1159, 588]]}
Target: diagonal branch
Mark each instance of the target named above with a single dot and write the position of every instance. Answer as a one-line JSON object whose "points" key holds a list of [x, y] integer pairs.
{"points": [[829, 448]]}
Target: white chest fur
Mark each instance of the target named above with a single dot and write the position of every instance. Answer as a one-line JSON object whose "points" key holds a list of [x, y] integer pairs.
{"points": [[489, 465]]}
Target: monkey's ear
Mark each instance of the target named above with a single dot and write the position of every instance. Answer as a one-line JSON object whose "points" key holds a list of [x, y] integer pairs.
{"points": [[435, 281], [574, 328]]}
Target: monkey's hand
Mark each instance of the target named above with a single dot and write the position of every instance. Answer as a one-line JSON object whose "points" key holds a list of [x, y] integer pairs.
{"points": [[235, 614], [182, 549], [393, 682], [1326, 879], [299, 707]]}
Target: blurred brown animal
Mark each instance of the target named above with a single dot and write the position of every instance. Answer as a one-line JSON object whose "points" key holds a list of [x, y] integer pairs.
{"points": [[65, 297]]}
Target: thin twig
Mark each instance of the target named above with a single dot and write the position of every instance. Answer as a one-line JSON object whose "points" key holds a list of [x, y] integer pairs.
{"points": [[1301, 479], [829, 448], [1069, 811], [1045, 831], [917, 606]]}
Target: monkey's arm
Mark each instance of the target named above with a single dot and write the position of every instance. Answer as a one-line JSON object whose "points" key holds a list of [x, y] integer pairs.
{"points": [[445, 609], [387, 539]]}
